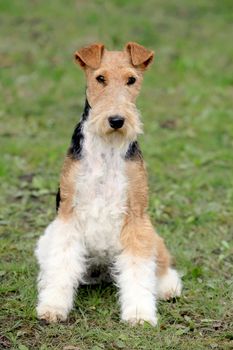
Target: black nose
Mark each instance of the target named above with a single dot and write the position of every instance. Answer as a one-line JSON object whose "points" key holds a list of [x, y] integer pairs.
{"points": [[116, 121]]}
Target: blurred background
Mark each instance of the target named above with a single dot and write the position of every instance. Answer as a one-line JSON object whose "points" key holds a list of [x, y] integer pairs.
{"points": [[186, 106]]}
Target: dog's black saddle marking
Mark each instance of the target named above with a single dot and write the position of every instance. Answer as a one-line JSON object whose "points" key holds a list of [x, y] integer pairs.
{"points": [[75, 149], [133, 151], [58, 198]]}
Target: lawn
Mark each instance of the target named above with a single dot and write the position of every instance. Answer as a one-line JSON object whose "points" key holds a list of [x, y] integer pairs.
{"points": [[186, 105]]}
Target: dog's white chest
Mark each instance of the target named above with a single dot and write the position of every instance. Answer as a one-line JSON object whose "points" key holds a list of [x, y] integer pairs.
{"points": [[101, 198]]}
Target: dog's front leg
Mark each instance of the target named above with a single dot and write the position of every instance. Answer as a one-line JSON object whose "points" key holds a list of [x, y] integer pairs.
{"points": [[61, 256], [136, 279]]}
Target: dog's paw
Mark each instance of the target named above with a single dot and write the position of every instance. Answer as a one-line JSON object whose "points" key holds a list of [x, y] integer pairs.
{"points": [[51, 314], [169, 285], [135, 318]]}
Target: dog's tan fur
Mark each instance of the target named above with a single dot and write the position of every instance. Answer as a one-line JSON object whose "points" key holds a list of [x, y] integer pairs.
{"points": [[138, 235], [67, 187]]}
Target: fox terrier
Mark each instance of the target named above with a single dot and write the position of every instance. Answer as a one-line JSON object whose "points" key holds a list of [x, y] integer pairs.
{"points": [[102, 219]]}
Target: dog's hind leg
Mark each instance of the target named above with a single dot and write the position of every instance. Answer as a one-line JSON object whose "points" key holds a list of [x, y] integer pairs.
{"points": [[169, 284], [61, 256]]}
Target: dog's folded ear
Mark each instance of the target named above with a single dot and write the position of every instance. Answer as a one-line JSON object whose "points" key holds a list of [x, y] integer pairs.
{"points": [[140, 56], [90, 56]]}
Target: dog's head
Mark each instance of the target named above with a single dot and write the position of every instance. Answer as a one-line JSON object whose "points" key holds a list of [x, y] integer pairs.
{"points": [[113, 83]]}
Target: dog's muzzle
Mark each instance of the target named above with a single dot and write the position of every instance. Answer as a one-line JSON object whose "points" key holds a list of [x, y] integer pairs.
{"points": [[116, 122]]}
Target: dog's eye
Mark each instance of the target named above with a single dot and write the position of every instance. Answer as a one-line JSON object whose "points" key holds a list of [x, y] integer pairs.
{"points": [[101, 79], [131, 81]]}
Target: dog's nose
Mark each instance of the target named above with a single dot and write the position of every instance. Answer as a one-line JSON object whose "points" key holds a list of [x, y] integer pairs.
{"points": [[116, 121]]}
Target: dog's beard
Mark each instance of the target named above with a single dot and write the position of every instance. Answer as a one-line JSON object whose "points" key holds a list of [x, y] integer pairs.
{"points": [[98, 124]]}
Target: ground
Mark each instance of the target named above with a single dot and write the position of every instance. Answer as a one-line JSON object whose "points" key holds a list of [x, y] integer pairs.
{"points": [[186, 106]]}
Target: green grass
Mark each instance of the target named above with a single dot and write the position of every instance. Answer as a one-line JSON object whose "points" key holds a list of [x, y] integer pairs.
{"points": [[186, 103]]}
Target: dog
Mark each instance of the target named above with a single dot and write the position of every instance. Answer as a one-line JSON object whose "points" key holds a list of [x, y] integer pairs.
{"points": [[102, 219]]}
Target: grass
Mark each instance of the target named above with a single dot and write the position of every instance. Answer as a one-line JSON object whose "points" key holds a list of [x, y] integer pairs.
{"points": [[186, 105]]}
